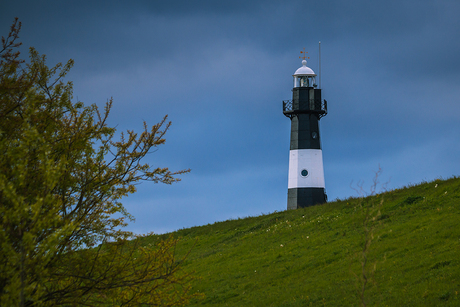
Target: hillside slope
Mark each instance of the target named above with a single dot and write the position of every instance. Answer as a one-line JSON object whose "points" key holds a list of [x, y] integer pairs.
{"points": [[410, 239]]}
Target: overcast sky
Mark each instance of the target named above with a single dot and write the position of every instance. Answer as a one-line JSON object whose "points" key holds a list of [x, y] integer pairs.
{"points": [[390, 71]]}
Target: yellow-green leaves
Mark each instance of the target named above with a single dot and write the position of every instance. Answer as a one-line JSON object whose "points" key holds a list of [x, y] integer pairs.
{"points": [[62, 176]]}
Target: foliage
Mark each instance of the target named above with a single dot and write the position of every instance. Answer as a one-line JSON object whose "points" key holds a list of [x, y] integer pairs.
{"points": [[311, 256], [62, 176], [122, 274]]}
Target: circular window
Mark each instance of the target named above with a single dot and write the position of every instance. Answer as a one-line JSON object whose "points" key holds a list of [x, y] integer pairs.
{"points": [[304, 173]]}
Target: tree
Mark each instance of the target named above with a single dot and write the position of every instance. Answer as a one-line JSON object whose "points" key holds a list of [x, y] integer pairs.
{"points": [[62, 176]]}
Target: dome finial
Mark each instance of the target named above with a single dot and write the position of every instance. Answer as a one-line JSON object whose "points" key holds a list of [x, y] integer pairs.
{"points": [[304, 57], [304, 70]]}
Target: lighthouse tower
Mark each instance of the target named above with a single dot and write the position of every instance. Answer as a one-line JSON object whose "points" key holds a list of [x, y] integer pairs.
{"points": [[306, 175]]}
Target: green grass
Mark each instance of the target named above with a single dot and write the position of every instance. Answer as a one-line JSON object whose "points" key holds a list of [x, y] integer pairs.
{"points": [[313, 256]]}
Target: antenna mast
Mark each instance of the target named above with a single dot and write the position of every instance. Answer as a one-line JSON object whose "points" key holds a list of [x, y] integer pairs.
{"points": [[319, 68]]}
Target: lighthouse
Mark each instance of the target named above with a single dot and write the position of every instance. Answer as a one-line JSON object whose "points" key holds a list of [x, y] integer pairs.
{"points": [[306, 185]]}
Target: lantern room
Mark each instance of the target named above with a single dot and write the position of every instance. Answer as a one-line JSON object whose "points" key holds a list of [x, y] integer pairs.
{"points": [[304, 76]]}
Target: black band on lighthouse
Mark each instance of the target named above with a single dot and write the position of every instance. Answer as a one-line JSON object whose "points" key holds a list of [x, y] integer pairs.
{"points": [[305, 197], [305, 132]]}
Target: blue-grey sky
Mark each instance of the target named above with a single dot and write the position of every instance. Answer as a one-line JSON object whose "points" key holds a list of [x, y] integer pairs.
{"points": [[390, 71]]}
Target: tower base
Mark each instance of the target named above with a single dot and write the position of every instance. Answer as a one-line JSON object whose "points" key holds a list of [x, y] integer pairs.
{"points": [[305, 197]]}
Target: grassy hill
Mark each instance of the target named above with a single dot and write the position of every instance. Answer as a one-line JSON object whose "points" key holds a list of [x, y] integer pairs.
{"points": [[406, 242]]}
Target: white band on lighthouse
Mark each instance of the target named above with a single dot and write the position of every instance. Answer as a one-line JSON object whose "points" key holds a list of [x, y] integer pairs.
{"points": [[306, 168]]}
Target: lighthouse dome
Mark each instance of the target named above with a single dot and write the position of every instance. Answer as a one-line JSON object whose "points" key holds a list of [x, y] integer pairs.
{"points": [[304, 70], [304, 76]]}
